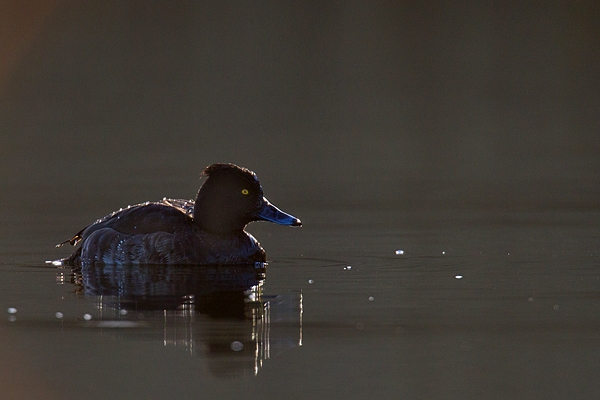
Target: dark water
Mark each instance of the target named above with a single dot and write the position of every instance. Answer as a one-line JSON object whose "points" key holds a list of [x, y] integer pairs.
{"points": [[493, 302]]}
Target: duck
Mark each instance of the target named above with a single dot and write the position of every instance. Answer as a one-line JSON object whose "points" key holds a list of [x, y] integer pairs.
{"points": [[209, 230]]}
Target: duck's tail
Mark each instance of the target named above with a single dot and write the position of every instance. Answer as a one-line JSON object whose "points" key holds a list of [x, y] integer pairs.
{"points": [[73, 241]]}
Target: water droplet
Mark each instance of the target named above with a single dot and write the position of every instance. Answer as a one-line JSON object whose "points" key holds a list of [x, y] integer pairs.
{"points": [[371, 298], [59, 315], [11, 310], [237, 345], [458, 276], [87, 317], [310, 281], [399, 252]]}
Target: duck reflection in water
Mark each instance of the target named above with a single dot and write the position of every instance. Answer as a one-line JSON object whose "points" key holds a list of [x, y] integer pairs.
{"points": [[218, 309]]}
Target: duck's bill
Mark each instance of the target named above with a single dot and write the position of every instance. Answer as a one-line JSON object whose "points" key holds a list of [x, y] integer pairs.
{"points": [[270, 213]]}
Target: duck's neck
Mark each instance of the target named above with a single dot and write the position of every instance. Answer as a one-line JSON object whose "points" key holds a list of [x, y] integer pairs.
{"points": [[215, 218]]}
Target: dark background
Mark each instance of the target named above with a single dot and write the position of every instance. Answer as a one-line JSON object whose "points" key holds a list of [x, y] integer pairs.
{"points": [[308, 93]]}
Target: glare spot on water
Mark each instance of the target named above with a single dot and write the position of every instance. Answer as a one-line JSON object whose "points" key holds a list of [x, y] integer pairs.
{"points": [[399, 252], [87, 317], [458, 276], [443, 252], [59, 315], [11, 310], [371, 298], [56, 263], [310, 281], [237, 345]]}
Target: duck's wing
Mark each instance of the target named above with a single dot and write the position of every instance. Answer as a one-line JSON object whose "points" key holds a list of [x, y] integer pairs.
{"points": [[140, 219], [187, 206]]}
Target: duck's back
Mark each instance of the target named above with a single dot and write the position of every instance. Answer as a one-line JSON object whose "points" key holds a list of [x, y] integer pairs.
{"points": [[143, 218]]}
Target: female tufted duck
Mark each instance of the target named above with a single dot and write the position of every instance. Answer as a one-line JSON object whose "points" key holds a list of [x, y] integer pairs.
{"points": [[173, 231]]}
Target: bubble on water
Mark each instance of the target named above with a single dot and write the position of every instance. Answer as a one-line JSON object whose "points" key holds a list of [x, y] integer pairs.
{"points": [[371, 298], [310, 281], [349, 267], [556, 307], [458, 276], [12, 318], [87, 317], [11, 310], [236, 345], [443, 252], [399, 252], [59, 315], [123, 312]]}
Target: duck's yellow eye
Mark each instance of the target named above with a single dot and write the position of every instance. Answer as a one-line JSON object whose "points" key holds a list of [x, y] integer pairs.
{"points": [[245, 191]]}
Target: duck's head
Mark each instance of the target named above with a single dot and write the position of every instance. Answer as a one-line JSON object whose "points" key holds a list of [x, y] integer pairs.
{"points": [[230, 198]]}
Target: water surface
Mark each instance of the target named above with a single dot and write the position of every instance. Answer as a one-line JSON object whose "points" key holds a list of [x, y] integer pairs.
{"points": [[418, 300]]}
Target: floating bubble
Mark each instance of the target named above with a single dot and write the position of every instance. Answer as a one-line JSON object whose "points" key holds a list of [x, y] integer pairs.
{"points": [[59, 315], [237, 345], [556, 307], [310, 281], [349, 267], [399, 252], [371, 298], [443, 252], [87, 317], [11, 310], [123, 312]]}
